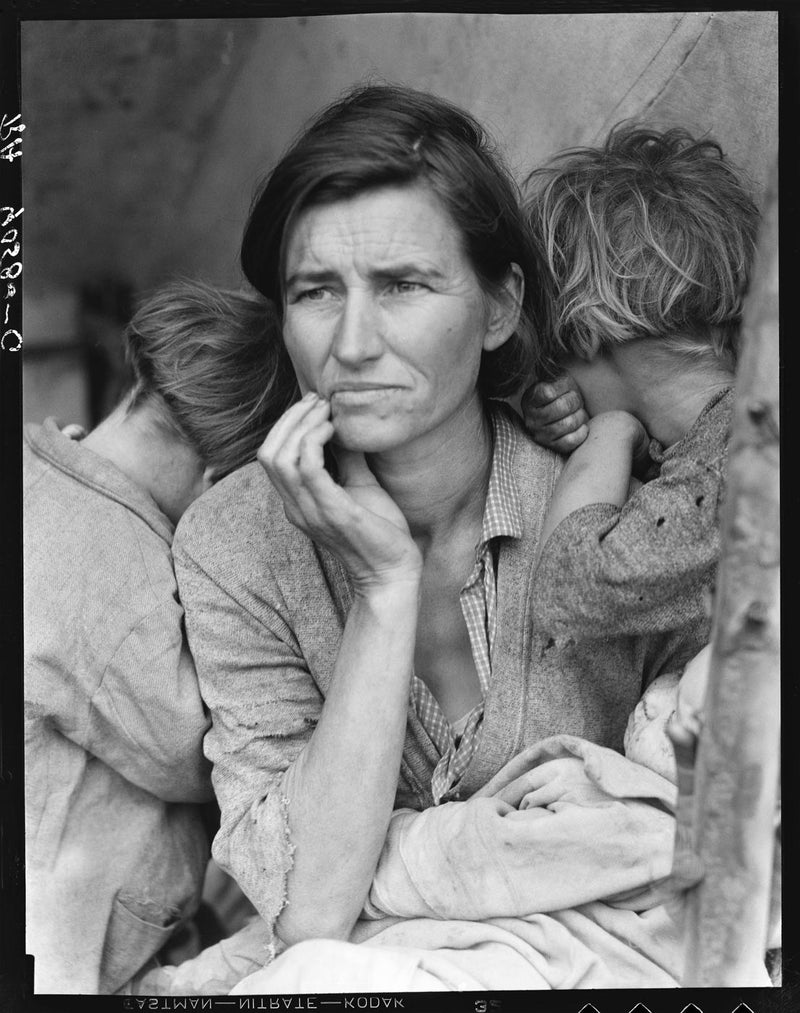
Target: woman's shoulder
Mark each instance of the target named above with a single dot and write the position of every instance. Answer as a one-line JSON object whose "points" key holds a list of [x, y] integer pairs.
{"points": [[531, 463], [236, 539], [241, 510]]}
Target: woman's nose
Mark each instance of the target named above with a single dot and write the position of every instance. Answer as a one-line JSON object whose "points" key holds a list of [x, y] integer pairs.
{"points": [[357, 337]]}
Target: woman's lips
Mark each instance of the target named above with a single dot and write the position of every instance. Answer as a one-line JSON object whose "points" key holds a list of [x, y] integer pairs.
{"points": [[357, 396]]}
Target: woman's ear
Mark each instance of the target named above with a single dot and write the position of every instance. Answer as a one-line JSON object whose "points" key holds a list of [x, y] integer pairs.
{"points": [[505, 309]]}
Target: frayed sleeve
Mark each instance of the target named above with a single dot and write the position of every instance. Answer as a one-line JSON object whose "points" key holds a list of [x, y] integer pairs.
{"points": [[264, 706]]}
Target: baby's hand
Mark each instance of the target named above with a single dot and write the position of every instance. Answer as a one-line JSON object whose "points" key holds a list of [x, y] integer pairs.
{"points": [[554, 414]]}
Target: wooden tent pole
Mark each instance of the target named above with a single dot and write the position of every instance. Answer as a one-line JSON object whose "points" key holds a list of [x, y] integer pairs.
{"points": [[738, 754]]}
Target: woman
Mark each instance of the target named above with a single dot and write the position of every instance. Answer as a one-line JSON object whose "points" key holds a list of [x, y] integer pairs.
{"points": [[116, 845], [364, 641]]}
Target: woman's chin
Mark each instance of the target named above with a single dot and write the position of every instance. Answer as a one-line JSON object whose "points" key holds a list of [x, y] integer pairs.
{"points": [[366, 436]]}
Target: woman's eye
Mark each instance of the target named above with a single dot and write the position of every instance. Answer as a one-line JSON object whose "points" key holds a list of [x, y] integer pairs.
{"points": [[311, 295], [407, 287]]}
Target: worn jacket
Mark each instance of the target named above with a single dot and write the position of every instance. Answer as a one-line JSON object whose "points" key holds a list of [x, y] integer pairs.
{"points": [[115, 846], [649, 565], [265, 610]]}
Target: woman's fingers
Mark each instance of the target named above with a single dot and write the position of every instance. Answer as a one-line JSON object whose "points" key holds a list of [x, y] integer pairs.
{"points": [[310, 459], [546, 795], [328, 503], [514, 792], [279, 454], [546, 783], [356, 520], [285, 425], [322, 501], [293, 457], [529, 812], [353, 468], [284, 450]]}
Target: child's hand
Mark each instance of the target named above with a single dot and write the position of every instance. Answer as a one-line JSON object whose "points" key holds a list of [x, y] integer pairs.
{"points": [[554, 414], [73, 431]]}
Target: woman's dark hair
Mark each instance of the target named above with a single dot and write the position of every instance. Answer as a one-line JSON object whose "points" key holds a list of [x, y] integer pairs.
{"points": [[208, 361], [389, 135]]}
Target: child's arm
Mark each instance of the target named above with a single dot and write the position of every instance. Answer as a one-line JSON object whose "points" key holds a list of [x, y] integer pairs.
{"points": [[636, 566], [600, 470]]}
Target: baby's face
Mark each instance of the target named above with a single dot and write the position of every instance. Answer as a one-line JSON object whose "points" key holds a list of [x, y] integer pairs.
{"points": [[646, 740]]}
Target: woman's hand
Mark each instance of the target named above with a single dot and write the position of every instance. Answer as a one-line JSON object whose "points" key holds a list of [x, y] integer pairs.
{"points": [[554, 414], [342, 785], [357, 521], [561, 780]]}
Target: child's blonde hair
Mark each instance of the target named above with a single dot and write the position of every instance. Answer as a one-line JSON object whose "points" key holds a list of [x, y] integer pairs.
{"points": [[651, 234]]}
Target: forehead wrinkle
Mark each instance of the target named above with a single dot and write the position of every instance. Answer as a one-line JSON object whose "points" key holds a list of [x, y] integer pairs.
{"points": [[375, 245]]}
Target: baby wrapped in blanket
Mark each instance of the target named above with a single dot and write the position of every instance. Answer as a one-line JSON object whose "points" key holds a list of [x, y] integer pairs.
{"points": [[555, 876], [539, 881]]}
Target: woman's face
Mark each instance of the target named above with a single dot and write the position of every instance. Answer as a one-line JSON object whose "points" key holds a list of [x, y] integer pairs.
{"points": [[385, 317]]}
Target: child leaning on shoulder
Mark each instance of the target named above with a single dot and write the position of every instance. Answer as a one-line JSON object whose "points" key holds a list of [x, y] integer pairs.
{"points": [[116, 780], [649, 240]]}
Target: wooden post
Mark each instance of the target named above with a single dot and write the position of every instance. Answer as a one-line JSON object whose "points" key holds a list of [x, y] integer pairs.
{"points": [[738, 754]]}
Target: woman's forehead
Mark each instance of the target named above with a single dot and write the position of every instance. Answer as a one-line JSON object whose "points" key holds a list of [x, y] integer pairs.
{"points": [[388, 225]]}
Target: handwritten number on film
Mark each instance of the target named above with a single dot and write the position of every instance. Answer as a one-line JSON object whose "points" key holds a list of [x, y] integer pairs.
{"points": [[10, 247], [12, 146]]}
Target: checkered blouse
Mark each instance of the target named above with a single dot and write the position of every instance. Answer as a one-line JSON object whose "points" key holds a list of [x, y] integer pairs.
{"points": [[502, 517]]}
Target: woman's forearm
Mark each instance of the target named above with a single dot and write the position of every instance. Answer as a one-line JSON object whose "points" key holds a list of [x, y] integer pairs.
{"points": [[342, 788], [607, 831]]}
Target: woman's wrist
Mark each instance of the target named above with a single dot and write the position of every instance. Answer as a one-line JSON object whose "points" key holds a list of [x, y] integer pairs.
{"points": [[395, 574], [389, 589]]}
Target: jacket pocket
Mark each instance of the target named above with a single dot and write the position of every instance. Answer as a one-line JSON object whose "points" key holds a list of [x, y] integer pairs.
{"points": [[129, 943]]}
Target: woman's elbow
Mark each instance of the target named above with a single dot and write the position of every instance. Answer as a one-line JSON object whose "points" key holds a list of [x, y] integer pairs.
{"points": [[294, 925]]}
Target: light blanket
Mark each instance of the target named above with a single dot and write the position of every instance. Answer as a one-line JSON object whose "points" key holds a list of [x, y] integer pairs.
{"points": [[555, 876], [504, 892]]}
